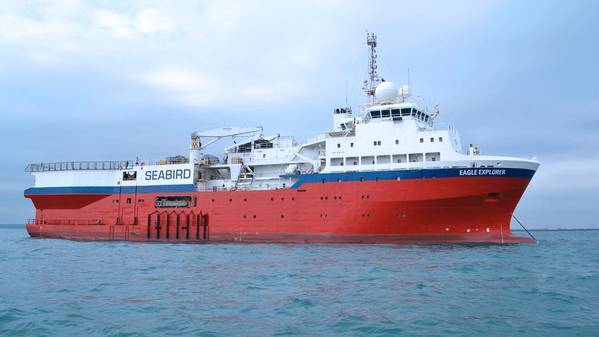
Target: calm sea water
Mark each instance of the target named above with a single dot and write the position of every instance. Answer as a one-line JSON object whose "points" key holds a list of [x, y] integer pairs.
{"points": [[67, 288]]}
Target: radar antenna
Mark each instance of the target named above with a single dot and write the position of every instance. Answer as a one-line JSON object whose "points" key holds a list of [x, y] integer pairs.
{"points": [[373, 77]]}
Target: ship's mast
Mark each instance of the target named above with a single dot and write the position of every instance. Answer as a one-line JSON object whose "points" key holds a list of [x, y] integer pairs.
{"points": [[373, 77]]}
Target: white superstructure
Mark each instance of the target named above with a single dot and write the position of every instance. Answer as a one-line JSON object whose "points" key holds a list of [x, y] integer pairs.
{"points": [[391, 132]]}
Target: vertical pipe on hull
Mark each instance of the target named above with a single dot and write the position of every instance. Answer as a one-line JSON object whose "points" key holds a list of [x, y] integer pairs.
{"points": [[149, 224], [198, 226], [188, 224], [157, 226], [178, 223], [168, 225], [205, 221]]}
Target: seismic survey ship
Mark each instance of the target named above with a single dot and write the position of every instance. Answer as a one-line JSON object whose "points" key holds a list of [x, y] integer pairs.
{"points": [[384, 175]]}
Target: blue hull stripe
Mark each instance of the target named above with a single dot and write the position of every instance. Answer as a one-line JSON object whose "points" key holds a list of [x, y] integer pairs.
{"points": [[409, 174], [110, 189], [303, 179]]}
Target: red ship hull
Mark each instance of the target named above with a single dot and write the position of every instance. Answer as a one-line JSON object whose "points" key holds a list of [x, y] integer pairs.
{"points": [[432, 210]]}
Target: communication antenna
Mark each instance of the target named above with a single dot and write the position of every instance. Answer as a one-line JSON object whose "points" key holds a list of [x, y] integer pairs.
{"points": [[373, 77], [346, 93]]}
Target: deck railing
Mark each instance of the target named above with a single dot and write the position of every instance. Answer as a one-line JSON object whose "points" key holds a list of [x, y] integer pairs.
{"points": [[65, 222], [101, 165], [81, 165]]}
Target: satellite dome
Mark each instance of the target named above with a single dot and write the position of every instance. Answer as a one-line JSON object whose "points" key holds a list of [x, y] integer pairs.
{"points": [[386, 92]]}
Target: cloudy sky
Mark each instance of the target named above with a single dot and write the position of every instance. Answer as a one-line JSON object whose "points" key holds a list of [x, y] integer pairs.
{"points": [[102, 80]]}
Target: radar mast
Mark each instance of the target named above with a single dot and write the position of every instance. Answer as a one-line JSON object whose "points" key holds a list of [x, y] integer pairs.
{"points": [[373, 77]]}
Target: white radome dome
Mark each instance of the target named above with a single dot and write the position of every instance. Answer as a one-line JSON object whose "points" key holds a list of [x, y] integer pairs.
{"points": [[386, 92]]}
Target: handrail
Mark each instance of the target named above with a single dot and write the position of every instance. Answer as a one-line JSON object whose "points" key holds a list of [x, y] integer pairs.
{"points": [[64, 222], [99, 165], [80, 165]]}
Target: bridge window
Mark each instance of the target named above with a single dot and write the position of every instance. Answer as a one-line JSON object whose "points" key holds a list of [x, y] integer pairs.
{"points": [[395, 113], [375, 114], [385, 113], [405, 111]]}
